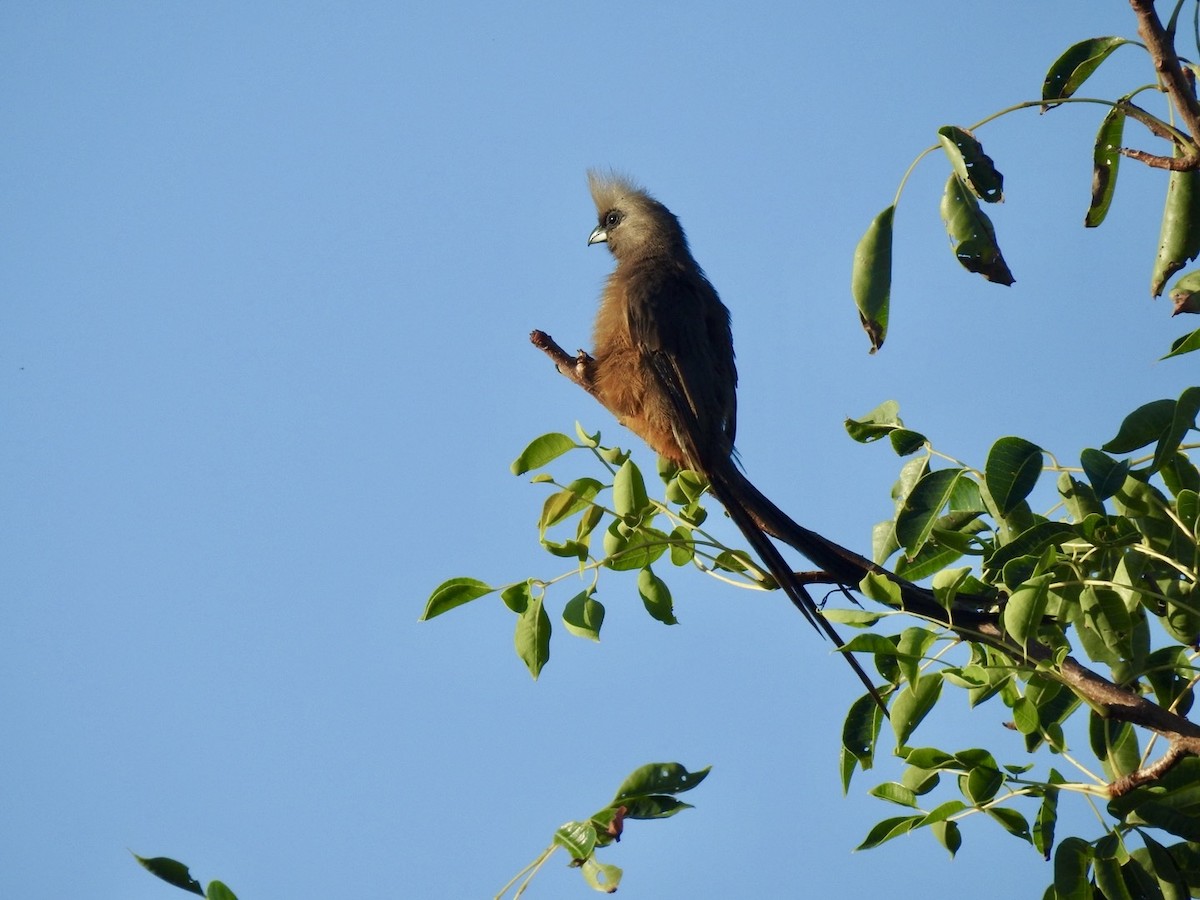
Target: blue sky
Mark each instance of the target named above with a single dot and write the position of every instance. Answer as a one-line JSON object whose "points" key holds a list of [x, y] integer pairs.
{"points": [[269, 275]]}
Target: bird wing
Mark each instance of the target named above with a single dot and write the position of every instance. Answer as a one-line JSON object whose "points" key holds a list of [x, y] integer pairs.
{"points": [[680, 326]]}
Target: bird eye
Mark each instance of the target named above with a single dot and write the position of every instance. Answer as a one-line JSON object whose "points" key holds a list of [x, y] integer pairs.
{"points": [[612, 218]]}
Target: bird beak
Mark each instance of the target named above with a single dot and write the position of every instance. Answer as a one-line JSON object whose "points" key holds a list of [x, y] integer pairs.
{"points": [[598, 236]]}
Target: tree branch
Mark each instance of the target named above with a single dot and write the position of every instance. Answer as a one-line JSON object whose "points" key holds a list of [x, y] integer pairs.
{"points": [[1175, 81], [1108, 699]]}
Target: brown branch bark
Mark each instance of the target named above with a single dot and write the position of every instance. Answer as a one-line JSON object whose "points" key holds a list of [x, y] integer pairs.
{"points": [[1175, 81], [1179, 750]]}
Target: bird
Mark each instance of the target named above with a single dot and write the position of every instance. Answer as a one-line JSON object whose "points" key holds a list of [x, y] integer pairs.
{"points": [[663, 362]]}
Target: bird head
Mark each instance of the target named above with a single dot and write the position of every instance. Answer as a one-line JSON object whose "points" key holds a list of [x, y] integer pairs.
{"points": [[633, 223]]}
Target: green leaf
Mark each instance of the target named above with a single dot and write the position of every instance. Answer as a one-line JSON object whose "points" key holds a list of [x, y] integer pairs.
{"points": [[911, 649], [949, 835], [894, 792], [1185, 344], [1106, 159], [1109, 881], [583, 615], [1180, 475], [1012, 469], [1164, 870], [905, 441], [1075, 66], [659, 778], [629, 491], [859, 734], [171, 871], [1071, 862], [871, 277], [516, 596], [577, 838], [916, 519], [1179, 237], [532, 636], [540, 451], [856, 618], [981, 784], [971, 234], [1025, 609], [1142, 427], [1079, 496], [1047, 817], [888, 829], [603, 877], [1105, 473], [1183, 420], [1105, 612], [683, 549], [1011, 820], [1025, 716], [565, 503], [878, 423], [656, 597], [218, 891], [973, 167], [912, 705], [452, 593], [1115, 745]]}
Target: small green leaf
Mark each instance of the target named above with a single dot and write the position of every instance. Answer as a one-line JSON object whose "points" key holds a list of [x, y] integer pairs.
{"points": [[577, 838], [656, 597], [981, 784], [532, 636], [888, 829], [949, 835], [658, 778], [1106, 160], [1143, 426], [1025, 716], [1011, 820], [540, 451], [1179, 237], [1075, 66], [683, 550], [1185, 344], [629, 491], [602, 877], [1105, 612], [452, 593], [912, 705], [894, 793], [1047, 817], [1106, 474], [1012, 469], [916, 519], [1183, 420], [516, 596], [1025, 609], [565, 503], [878, 423], [1071, 863], [859, 734], [218, 891], [171, 871], [973, 167], [971, 234], [583, 615], [871, 277]]}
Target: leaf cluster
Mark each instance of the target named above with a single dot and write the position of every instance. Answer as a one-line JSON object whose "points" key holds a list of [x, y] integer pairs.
{"points": [[603, 524], [1109, 573], [974, 180]]}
